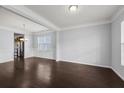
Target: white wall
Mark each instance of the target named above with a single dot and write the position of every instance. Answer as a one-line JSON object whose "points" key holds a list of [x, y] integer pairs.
{"points": [[88, 45], [116, 46], [51, 52]]}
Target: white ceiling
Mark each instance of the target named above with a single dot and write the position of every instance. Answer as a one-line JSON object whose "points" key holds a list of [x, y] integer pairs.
{"points": [[86, 14], [10, 19]]}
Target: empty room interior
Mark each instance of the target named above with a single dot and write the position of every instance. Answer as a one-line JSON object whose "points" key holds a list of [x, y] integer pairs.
{"points": [[61, 46]]}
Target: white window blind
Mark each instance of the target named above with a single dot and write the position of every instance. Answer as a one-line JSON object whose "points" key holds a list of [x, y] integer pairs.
{"points": [[44, 43]]}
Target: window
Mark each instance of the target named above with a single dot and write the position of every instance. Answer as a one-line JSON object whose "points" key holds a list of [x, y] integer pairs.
{"points": [[44, 42]]}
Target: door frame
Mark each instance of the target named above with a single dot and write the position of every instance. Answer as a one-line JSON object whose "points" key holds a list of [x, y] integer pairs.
{"points": [[23, 35]]}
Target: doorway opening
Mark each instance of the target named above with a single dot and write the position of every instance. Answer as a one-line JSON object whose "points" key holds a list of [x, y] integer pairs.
{"points": [[18, 46]]}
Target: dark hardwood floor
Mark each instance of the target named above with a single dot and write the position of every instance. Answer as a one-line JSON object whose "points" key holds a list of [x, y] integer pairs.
{"points": [[37, 72]]}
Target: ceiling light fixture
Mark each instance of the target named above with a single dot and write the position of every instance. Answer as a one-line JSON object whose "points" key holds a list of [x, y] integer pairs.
{"points": [[22, 39], [73, 7]]}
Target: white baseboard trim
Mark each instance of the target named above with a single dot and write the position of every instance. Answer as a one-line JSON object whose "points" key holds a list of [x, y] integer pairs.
{"points": [[5, 61], [117, 73], [29, 56], [45, 58], [57, 60], [104, 66], [110, 67]]}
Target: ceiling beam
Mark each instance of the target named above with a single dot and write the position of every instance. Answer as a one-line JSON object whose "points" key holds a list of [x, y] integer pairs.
{"points": [[29, 14]]}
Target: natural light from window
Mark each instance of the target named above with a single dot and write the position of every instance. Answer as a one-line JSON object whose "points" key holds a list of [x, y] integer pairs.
{"points": [[44, 42]]}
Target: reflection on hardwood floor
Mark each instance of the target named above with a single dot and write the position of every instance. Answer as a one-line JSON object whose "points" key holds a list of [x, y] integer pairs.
{"points": [[37, 72]]}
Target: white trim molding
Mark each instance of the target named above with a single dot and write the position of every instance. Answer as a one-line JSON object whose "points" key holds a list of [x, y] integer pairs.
{"points": [[118, 73], [116, 15], [86, 25], [77, 62]]}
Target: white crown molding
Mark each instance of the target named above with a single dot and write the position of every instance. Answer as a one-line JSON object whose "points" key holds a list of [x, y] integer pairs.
{"points": [[116, 15], [42, 32], [24, 11], [86, 25]]}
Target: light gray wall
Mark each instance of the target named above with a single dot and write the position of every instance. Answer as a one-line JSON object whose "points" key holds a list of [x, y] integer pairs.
{"points": [[116, 46], [6, 46], [88, 45], [28, 45]]}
